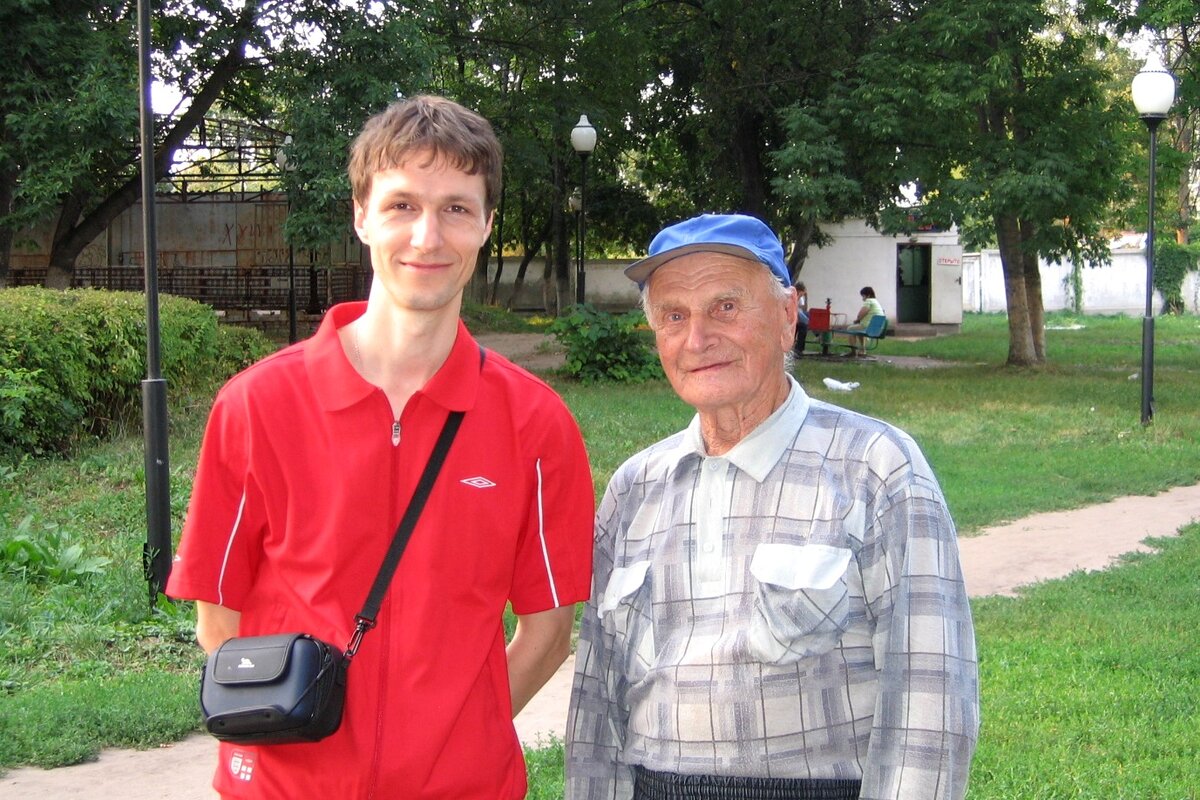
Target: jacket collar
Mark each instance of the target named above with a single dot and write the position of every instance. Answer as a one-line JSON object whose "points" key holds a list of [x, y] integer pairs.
{"points": [[338, 385]]}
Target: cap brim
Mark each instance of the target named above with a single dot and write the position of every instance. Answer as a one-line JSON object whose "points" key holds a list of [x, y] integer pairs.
{"points": [[640, 271]]}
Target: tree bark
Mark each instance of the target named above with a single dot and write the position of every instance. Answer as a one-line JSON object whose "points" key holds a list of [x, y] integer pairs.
{"points": [[7, 182], [562, 243], [59, 272], [1035, 307], [531, 248], [1185, 197], [747, 144], [802, 236], [498, 233], [73, 233], [1020, 338], [1022, 281]]}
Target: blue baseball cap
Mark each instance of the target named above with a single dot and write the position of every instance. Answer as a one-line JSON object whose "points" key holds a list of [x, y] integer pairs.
{"points": [[735, 234]]}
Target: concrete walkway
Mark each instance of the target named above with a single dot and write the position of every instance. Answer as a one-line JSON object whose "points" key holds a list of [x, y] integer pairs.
{"points": [[998, 561]]}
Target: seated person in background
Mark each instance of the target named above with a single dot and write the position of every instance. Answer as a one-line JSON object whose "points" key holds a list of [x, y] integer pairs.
{"points": [[870, 308], [801, 318]]}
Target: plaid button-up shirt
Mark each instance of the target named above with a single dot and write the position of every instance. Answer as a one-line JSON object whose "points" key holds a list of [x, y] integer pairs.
{"points": [[794, 608]]}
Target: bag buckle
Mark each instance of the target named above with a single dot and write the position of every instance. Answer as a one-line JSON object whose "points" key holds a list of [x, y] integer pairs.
{"points": [[361, 626]]}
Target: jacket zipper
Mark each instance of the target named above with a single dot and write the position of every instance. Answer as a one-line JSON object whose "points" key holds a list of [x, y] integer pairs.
{"points": [[383, 642]]}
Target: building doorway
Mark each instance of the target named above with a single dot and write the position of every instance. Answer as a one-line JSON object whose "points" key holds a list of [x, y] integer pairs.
{"points": [[914, 272]]}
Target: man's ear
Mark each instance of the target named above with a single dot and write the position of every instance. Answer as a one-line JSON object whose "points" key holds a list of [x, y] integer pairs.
{"points": [[791, 311], [360, 216]]}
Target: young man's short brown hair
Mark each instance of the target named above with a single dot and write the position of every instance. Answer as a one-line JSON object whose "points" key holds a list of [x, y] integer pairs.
{"points": [[431, 126]]}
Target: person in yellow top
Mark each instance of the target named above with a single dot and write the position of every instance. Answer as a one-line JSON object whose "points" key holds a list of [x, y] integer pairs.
{"points": [[870, 308]]}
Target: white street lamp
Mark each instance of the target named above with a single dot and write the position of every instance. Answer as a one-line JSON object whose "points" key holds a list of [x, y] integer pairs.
{"points": [[1153, 93], [583, 140]]}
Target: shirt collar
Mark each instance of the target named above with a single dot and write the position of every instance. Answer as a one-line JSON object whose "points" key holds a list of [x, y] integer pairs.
{"points": [[338, 385], [758, 453]]}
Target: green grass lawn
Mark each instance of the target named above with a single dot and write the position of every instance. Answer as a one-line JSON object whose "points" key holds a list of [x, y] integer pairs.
{"points": [[1089, 684]]}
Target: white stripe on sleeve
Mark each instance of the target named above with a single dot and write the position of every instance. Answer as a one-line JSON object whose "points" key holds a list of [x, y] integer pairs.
{"points": [[542, 535], [228, 547]]}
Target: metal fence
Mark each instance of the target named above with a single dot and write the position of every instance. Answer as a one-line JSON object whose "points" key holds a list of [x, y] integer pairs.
{"points": [[259, 288]]}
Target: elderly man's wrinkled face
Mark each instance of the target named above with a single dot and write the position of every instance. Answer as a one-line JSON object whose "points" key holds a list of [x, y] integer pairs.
{"points": [[723, 326]]}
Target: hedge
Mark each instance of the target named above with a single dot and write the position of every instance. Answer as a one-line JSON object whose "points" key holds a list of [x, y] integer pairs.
{"points": [[72, 363]]}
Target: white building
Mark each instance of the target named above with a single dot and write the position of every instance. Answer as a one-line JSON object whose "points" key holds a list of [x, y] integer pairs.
{"points": [[1116, 288], [917, 278], [922, 279]]}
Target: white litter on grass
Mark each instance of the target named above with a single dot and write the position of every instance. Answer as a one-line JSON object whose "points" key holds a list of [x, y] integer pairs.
{"points": [[838, 386], [1065, 327]]}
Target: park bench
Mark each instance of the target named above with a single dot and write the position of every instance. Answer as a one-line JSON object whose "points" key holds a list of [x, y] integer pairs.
{"points": [[876, 329]]}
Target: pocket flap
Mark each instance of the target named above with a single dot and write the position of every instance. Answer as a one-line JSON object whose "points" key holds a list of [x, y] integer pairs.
{"points": [[623, 582], [252, 659], [810, 566]]}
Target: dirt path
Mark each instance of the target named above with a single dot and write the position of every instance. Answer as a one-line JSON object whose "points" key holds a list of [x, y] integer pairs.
{"points": [[997, 561]]}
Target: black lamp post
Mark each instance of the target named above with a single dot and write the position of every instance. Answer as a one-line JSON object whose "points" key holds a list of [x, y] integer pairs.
{"points": [[1153, 93], [281, 159], [583, 139], [156, 553], [575, 202]]}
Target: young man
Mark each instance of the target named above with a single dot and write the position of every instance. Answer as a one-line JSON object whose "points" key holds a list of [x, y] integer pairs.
{"points": [[778, 609], [311, 456]]}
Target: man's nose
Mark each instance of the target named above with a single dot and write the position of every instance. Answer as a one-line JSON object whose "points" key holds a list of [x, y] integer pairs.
{"points": [[427, 232], [699, 333]]}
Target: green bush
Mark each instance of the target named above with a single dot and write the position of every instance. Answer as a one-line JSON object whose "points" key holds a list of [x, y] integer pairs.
{"points": [[1172, 263], [237, 348], [603, 347], [72, 363]]}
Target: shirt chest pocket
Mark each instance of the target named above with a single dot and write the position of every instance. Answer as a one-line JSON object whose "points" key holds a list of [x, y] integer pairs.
{"points": [[801, 601], [626, 613]]}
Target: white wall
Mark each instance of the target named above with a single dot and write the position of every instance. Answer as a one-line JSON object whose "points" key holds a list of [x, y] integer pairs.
{"points": [[861, 256], [1119, 288], [858, 256]]}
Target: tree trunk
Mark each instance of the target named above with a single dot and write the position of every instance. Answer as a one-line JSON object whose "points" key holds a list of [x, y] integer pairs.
{"points": [[531, 250], [70, 241], [550, 294], [803, 233], [562, 242], [477, 286], [6, 233], [1020, 339], [498, 233], [1186, 199], [1034, 307], [1033, 293], [61, 268], [519, 281], [6, 240], [747, 152]]}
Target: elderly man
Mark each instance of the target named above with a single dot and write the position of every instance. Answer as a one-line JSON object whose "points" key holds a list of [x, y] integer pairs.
{"points": [[778, 609]]}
